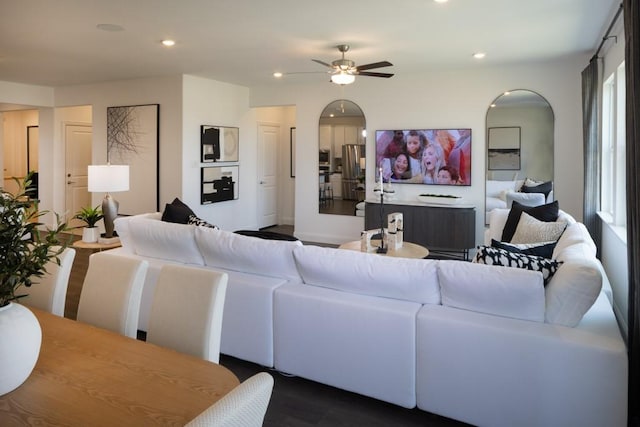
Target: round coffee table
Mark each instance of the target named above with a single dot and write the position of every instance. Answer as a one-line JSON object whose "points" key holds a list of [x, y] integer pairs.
{"points": [[408, 250]]}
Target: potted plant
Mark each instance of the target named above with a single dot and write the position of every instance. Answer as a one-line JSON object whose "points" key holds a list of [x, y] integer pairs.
{"points": [[90, 216], [24, 252]]}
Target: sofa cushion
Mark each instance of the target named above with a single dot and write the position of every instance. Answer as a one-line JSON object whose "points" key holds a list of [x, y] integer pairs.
{"points": [[573, 234], [544, 249], [530, 230], [527, 199], [225, 249], [369, 274], [177, 211], [496, 256], [547, 213], [121, 226], [165, 240], [501, 291], [574, 288]]}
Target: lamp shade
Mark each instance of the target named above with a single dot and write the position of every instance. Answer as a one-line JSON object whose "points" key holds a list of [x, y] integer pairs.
{"points": [[343, 78], [108, 178]]}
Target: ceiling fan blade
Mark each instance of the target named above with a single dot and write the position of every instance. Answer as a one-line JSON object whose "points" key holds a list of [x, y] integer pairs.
{"points": [[373, 65], [322, 63], [371, 74]]}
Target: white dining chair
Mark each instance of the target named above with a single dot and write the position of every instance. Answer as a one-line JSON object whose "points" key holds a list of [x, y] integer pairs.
{"points": [[245, 406], [186, 312], [111, 293], [49, 292]]}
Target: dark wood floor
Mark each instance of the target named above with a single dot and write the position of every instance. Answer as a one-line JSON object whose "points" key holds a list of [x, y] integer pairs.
{"points": [[295, 402]]}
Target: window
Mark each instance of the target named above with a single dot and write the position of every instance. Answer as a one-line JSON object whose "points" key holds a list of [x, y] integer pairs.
{"points": [[613, 199]]}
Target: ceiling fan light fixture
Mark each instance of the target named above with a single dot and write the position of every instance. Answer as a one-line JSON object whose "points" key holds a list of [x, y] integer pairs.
{"points": [[343, 78]]}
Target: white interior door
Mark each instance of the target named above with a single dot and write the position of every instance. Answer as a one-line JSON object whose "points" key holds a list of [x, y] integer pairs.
{"points": [[77, 158], [268, 136]]}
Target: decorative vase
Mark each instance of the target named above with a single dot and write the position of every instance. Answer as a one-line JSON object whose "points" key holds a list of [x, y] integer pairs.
{"points": [[21, 336], [90, 234]]}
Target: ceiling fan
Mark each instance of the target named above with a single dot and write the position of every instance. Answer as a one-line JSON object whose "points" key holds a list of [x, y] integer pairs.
{"points": [[344, 71]]}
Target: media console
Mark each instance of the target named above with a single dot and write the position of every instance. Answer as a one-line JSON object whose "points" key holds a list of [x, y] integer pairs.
{"points": [[445, 230]]}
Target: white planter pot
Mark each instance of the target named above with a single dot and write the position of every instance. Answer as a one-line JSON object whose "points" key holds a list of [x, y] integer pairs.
{"points": [[90, 234], [21, 336]]}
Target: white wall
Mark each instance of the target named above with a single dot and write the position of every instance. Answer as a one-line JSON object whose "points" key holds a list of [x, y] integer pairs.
{"points": [[454, 98], [209, 102], [166, 91]]}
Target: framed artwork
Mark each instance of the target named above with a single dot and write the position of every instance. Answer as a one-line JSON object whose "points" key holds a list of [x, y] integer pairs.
{"points": [[133, 139], [219, 144], [219, 184], [503, 151], [292, 137]]}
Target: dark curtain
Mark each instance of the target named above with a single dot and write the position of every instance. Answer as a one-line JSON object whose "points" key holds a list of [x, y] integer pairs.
{"points": [[590, 132], [632, 71]]}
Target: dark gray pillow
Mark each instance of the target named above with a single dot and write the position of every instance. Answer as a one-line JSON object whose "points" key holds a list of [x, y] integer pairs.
{"points": [[545, 251], [544, 188], [177, 211], [547, 213]]}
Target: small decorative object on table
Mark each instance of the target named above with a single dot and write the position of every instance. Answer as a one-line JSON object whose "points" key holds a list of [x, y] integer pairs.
{"points": [[90, 216], [382, 248], [395, 226]]}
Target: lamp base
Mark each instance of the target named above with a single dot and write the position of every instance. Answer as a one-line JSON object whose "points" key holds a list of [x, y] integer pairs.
{"points": [[110, 212]]}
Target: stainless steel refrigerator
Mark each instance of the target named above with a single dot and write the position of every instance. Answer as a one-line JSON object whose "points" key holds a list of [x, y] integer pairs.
{"points": [[352, 171]]}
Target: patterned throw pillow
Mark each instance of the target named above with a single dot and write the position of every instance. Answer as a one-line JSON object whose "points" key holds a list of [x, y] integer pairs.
{"points": [[495, 256], [194, 220]]}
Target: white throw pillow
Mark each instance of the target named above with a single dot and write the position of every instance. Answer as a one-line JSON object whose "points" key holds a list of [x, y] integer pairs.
{"points": [[531, 230], [369, 274], [165, 240], [500, 291], [224, 249]]}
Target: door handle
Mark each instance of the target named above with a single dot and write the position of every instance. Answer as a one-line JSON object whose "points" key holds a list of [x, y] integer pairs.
{"points": [[71, 182], [262, 182]]}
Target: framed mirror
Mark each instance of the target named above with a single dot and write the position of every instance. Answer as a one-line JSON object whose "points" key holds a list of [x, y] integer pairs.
{"points": [[520, 129], [341, 158]]}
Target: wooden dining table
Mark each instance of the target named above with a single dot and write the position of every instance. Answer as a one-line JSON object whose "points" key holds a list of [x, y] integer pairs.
{"points": [[87, 376]]}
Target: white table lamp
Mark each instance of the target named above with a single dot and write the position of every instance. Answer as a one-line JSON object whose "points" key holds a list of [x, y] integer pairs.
{"points": [[108, 179]]}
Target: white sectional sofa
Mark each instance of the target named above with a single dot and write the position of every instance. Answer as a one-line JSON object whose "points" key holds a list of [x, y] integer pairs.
{"points": [[487, 345]]}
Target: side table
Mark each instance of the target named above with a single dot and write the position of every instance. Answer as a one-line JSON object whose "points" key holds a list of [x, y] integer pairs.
{"points": [[79, 244], [408, 250]]}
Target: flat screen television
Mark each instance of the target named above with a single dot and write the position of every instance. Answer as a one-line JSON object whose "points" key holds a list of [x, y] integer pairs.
{"points": [[424, 156]]}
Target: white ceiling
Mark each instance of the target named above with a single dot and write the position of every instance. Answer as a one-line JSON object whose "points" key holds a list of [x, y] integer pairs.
{"points": [[56, 43]]}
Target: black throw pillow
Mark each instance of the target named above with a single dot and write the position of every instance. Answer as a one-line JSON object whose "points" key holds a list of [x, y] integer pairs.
{"points": [[545, 251], [546, 213], [177, 212], [544, 188]]}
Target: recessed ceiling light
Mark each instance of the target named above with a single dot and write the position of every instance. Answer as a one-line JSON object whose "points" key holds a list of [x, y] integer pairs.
{"points": [[168, 42], [479, 55], [277, 75], [110, 27], [441, 1], [507, 93], [492, 105]]}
